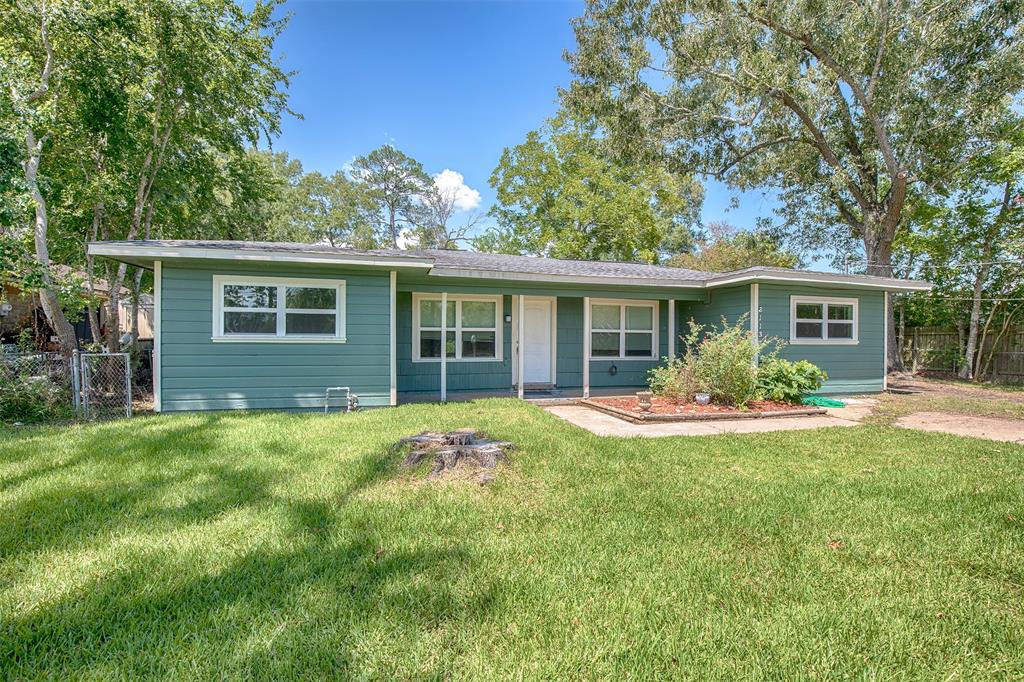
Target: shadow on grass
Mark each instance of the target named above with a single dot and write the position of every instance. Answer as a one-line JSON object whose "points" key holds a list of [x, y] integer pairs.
{"points": [[313, 589], [299, 613]]}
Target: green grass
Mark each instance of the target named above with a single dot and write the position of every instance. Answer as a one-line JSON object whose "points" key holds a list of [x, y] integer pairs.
{"points": [[289, 546], [985, 404]]}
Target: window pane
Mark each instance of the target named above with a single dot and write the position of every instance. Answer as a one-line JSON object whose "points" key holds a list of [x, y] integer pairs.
{"points": [[477, 344], [840, 330], [604, 317], [310, 297], [250, 323], [430, 344], [639, 317], [604, 344], [808, 311], [309, 323], [249, 296], [840, 312], [808, 330], [430, 314], [478, 314], [639, 345]]}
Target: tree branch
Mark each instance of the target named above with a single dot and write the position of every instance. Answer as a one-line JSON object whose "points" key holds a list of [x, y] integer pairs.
{"points": [[44, 81]]}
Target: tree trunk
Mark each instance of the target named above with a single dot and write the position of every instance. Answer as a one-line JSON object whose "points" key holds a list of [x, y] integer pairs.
{"points": [[967, 369], [47, 297], [878, 249]]}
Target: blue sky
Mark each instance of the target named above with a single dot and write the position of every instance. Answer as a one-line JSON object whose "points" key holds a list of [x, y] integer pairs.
{"points": [[449, 83]]}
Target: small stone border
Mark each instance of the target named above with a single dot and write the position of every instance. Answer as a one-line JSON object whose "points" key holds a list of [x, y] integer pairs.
{"points": [[641, 418]]}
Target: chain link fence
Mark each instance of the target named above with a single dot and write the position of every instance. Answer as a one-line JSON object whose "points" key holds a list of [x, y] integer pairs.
{"points": [[106, 380], [37, 387]]}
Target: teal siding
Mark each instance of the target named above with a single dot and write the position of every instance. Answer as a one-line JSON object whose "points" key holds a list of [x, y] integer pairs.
{"points": [[732, 302], [852, 368], [198, 374], [628, 373], [417, 377]]}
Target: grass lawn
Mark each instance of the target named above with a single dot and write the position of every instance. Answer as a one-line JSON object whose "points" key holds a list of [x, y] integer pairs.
{"points": [[289, 546]]}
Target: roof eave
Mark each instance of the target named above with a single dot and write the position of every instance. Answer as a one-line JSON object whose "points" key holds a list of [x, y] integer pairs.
{"points": [[883, 283], [473, 273], [145, 256]]}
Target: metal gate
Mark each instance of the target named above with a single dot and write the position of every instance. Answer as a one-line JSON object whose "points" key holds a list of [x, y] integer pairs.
{"points": [[106, 385]]}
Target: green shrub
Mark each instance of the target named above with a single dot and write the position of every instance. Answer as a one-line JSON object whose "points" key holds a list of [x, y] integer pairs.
{"points": [[31, 399], [787, 381], [717, 361], [675, 379]]}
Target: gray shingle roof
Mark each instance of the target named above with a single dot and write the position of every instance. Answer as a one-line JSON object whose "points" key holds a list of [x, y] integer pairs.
{"points": [[451, 262]]}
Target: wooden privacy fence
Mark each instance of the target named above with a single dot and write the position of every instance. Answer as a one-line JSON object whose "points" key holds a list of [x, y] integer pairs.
{"points": [[938, 349]]}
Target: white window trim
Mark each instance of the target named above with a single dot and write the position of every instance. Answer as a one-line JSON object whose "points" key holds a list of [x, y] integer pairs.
{"points": [[457, 299], [622, 303], [824, 301], [220, 281]]}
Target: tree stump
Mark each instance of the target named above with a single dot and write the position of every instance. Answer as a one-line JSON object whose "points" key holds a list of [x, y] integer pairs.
{"points": [[454, 449]]}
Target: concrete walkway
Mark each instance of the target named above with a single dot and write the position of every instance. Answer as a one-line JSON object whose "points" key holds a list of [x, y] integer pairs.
{"points": [[606, 425]]}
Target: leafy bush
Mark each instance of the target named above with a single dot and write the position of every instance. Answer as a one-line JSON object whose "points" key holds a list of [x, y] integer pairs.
{"points": [[675, 379], [787, 381], [33, 399], [717, 361]]}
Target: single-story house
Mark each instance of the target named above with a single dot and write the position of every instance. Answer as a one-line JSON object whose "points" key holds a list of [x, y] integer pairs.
{"points": [[272, 325]]}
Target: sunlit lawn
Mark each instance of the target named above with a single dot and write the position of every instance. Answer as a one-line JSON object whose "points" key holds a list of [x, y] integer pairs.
{"points": [[289, 546]]}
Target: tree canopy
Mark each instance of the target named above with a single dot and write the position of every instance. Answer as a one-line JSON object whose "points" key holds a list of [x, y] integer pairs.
{"points": [[727, 248], [561, 194], [844, 108]]}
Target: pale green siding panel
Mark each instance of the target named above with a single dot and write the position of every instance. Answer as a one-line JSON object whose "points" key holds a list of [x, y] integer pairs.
{"points": [[851, 369], [628, 373], [419, 377], [198, 374], [732, 302]]}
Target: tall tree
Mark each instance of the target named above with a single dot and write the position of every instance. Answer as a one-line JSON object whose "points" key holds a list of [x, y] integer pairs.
{"points": [[971, 243], [841, 106], [727, 248], [438, 227], [394, 182], [561, 194], [30, 108]]}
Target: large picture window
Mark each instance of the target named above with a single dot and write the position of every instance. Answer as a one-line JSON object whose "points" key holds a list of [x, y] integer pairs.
{"points": [[818, 320], [623, 330], [278, 309], [473, 328]]}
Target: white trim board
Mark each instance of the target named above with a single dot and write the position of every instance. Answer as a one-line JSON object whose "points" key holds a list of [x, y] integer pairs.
{"points": [[158, 324]]}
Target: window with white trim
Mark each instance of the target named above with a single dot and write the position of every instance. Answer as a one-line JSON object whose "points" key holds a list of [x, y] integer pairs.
{"points": [[820, 320], [623, 330], [278, 309], [473, 328]]}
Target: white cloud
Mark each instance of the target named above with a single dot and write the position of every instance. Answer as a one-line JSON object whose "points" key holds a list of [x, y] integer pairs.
{"points": [[466, 198]]}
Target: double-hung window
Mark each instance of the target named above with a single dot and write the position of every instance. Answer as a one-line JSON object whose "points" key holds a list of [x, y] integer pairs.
{"points": [[278, 309], [818, 320], [473, 328], [623, 330]]}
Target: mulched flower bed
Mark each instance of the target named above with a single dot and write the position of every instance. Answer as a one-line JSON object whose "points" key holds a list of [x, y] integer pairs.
{"points": [[665, 409]]}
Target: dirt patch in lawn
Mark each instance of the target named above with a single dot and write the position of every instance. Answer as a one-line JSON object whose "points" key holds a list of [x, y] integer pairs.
{"points": [[1009, 430], [922, 386], [664, 409]]}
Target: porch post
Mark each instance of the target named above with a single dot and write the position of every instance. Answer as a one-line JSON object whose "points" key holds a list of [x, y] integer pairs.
{"points": [[885, 342], [158, 326], [519, 355], [671, 329], [586, 346], [444, 346], [394, 338], [755, 317]]}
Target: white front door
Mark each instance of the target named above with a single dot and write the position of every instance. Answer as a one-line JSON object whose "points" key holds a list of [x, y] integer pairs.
{"points": [[537, 342]]}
